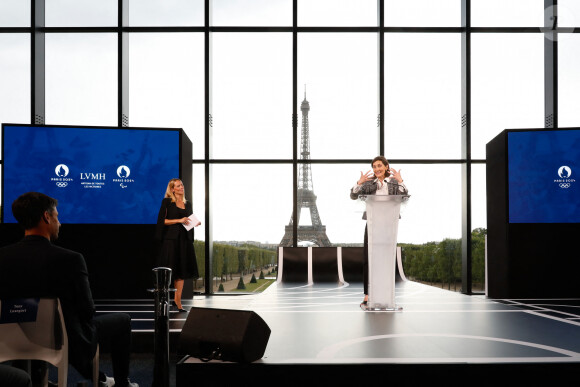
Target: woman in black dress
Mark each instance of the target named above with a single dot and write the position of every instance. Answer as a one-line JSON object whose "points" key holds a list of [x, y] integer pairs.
{"points": [[177, 251]]}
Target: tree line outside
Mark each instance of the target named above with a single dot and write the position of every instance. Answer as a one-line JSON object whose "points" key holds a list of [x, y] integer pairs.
{"points": [[435, 263], [439, 263], [233, 261]]}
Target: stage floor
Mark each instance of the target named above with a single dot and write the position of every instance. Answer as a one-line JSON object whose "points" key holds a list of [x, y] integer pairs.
{"points": [[324, 325]]}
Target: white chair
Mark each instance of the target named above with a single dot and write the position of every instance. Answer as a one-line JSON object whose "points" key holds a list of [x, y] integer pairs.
{"points": [[44, 339]]}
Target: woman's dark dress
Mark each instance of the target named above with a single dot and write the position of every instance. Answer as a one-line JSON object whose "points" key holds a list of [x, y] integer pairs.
{"points": [[176, 251]]}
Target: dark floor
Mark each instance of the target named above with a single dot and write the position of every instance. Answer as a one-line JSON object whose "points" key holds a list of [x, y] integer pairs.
{"points": [[321, 328], [142, 365]]}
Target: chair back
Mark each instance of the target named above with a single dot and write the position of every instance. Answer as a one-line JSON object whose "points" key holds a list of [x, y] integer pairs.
{"points": [[34, 329], [34, 336]]}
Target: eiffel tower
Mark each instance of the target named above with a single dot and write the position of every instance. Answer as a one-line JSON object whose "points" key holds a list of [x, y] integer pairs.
{"points": [[316, 233]]}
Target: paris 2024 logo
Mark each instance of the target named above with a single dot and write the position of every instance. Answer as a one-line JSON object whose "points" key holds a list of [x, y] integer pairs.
{"points": [[564, 180]]}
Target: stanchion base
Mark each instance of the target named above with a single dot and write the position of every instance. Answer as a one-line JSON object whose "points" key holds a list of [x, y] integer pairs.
{"points": [[381, 308]]}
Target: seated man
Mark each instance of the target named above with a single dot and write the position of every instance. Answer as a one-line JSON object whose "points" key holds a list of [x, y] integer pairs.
{"points": [[34, 267]]}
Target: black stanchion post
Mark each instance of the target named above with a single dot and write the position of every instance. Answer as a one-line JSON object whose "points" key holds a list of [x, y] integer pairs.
{"points": [[161, 279]]}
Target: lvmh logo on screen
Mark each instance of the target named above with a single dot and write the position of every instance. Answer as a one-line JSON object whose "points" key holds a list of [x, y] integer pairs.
{"points": [[92, 176]]}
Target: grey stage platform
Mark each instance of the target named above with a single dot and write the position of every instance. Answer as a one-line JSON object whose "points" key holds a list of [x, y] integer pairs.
{"points": [[321, 330]]}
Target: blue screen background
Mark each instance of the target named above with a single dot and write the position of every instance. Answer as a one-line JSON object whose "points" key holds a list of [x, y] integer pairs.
{"points": [[94, 192], [535, 194]]}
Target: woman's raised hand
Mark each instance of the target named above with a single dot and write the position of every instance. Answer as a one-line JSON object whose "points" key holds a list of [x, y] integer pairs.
{"points": [[364, 177], [396, 174]]}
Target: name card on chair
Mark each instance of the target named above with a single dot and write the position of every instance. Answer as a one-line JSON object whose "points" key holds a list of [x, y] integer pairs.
{"points": [[18, 310]]}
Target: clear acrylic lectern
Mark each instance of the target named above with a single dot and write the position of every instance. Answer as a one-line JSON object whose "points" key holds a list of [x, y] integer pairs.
{"points": [[383, 225]]}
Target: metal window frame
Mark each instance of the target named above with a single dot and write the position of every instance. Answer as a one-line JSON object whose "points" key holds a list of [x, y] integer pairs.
{"points": [[38, 31]]}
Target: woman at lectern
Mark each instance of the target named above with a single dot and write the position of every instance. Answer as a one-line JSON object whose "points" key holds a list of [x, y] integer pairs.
{"points": [[383, 180], [176, 251]]}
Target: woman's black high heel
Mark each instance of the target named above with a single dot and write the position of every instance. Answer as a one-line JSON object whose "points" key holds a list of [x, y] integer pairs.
{"points": [[180, 310]]}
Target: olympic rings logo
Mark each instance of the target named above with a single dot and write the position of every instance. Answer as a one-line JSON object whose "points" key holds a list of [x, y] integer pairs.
{"points": [[61, 184], [564, 185]]}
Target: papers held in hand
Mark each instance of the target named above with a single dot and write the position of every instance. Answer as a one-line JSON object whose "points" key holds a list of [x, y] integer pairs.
{"points": [[193, 222]]}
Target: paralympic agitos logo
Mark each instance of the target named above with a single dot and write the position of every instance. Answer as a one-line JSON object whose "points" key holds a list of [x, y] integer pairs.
{"points": [[123, 172], [564, 180]]}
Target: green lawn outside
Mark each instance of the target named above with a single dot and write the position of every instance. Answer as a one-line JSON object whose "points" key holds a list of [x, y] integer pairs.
{"points": [[259, 286]]}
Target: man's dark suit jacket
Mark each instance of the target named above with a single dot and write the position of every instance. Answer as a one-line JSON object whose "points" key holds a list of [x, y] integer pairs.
{"points": [[34, 267]]}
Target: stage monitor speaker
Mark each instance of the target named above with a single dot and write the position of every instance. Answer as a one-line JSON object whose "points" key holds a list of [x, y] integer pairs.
{"points": [[224, 334]]}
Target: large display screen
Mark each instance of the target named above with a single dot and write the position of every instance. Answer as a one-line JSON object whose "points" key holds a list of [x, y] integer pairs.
{"points": [[99, 175], [542, 170]]}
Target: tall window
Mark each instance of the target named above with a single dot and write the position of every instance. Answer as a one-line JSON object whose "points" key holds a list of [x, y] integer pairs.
{"points": [[236, 76]]}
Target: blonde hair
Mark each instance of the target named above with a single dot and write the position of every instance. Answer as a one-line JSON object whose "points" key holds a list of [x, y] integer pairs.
{"points": [[169, 190]]}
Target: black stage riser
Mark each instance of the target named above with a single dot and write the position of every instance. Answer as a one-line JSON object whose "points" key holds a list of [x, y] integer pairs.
{"points": [[232, 374]]}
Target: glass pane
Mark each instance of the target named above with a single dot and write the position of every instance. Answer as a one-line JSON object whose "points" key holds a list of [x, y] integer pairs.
{"points": [[166, 83], [507, 13], [14, 13], [250, 217], [15, 78], [78, 13], [252, 13], [569, 80], [568, 13], [430, 225], [246, 267], [166, 12], [251, 223], [423, 97], [252, 96], [430, 215], [81, 79], [507, 85], [337, 13], [342, 93], [423, 13], [478, 225], [331, 186]]}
